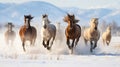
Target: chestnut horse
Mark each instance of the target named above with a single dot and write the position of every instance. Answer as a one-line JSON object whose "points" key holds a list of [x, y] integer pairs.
{"points": [[48, 32], [10, 34], [73, 31], [27, 32]]}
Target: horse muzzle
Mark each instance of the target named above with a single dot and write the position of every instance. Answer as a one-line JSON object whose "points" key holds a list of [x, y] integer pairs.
{"points": [[95, 28]]}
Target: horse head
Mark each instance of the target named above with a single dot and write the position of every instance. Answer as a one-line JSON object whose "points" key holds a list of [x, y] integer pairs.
{"points": [[45, 21], [27, 19], [109, 28], [70, 19], [94, 23], [9, 26]]}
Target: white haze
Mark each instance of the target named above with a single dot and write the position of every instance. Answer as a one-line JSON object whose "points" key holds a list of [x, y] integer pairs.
{"points": [[59, 56]]}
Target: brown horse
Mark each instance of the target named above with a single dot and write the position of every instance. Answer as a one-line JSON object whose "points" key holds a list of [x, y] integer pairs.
{"points": [[10, 34], [27, 32], [73, 31]]}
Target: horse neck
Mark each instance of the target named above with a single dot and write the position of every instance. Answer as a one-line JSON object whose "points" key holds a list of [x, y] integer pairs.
{"points": [[73, 27], [28, 23], [108, 31], [92, 29], [48, 22], [10, 29]]}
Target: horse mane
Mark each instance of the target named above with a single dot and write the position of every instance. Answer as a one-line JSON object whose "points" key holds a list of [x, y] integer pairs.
{"points": [[46, 16], [68, 17]]}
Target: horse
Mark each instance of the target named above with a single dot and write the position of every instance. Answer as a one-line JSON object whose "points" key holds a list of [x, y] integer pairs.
{"points": [[92, 34], [72, 31], [10, 34], [106, 36], [48, 32], [27, 32]]}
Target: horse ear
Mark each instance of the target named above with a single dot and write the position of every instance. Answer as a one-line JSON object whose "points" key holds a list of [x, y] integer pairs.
{"points": [[32, 17], [73, 15], [42, 15], [68, 14], [24, 15]]}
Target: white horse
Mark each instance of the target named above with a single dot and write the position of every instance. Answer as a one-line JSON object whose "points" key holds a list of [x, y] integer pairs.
{"points": [[106, 37], [48, 32], [92, 34]]}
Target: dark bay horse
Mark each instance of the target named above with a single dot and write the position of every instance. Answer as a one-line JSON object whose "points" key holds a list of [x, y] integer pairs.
{"points": [[73, 31], [10, 34], [27, 32]]}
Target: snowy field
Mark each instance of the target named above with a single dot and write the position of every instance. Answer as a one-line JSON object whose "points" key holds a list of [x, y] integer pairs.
{"points": [[38, 56]]}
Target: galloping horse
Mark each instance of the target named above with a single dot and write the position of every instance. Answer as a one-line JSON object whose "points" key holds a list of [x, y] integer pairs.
{"points": [[48, 32], [10, 34], [73, 31], [27, 32], [92, 34], [106, 37]]}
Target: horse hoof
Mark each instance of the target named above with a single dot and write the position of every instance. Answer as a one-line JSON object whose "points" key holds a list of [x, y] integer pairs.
{"points": [[45, 46], [69, 47], [91, 50], [48, 48], [24, 50]]}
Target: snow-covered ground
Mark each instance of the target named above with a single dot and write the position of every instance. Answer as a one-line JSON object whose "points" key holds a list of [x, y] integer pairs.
{"points": [[38, 56]]}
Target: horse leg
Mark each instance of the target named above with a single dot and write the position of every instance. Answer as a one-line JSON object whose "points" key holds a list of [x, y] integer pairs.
{"points": [[48, 47], [52, 42], [85, 41], [7, 42], [12, 42], [23, 44], [91, 46], [44, 44], [33, 42], [72, 46], [107, 42], [68, 43], [77, 41], [73, 43], [103, 42], [95, 45]]}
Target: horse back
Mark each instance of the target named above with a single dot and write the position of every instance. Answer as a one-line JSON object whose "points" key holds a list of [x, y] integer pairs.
{"points": [[52, 28]]}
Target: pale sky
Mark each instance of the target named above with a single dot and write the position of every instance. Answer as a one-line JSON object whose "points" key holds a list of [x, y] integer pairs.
{"points": [[75, 3]]}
